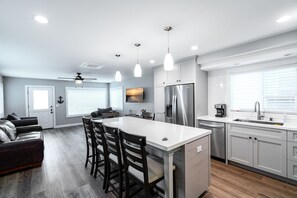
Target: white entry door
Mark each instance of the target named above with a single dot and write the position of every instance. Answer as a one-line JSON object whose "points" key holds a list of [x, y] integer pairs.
{"points": [[40, 105]]}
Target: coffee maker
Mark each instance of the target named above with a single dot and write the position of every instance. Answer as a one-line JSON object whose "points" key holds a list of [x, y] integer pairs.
{"points": [[221, 110]]}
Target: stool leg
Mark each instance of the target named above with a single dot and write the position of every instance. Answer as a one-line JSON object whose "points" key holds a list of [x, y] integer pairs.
{"points": [[93, 160], [121, 182], [97, 165], [107, 176], [87, 155]]}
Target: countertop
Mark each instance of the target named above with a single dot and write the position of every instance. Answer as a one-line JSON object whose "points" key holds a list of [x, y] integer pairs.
{"points": [[177, 135], [230, 120]]}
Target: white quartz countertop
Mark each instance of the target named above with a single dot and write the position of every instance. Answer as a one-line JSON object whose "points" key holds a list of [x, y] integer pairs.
{"points": [[230, 120], [177, 135]]}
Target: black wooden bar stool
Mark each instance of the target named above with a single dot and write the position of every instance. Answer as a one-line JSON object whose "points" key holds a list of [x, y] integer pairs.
{"points": [[101, 150], [114, 166], [138, 167], [90, 141]]}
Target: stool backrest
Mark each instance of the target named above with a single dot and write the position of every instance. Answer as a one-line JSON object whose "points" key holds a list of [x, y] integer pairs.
{"points": [[90, 138], [113, 142], [134, 153], [99, 135], [148, 115]]}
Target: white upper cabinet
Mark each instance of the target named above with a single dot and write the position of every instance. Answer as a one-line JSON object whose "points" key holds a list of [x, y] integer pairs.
{"points": [[182, 73], [173, 76], [187, 71], [160, 76]]}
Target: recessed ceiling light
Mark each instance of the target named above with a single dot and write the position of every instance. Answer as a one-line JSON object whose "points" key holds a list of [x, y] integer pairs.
{"points": [[41, 19], [236, 64], [288, 54], [284, 19], [194, 47], [152, 61]]}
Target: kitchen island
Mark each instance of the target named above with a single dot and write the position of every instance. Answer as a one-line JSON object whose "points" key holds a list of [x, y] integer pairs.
{"points": [[185, 147]]}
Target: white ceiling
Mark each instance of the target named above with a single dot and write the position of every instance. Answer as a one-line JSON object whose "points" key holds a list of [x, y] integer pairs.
{"points": [[95, 30]]}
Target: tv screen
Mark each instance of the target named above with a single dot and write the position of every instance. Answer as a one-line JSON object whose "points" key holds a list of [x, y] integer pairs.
{"points": [[135, 95]]}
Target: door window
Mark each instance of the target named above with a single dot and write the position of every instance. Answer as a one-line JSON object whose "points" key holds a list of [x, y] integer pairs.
{"points": [[40, 99]]}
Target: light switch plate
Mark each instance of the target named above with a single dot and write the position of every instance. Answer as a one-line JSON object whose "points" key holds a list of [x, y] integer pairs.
{"points": [[199, 149]]}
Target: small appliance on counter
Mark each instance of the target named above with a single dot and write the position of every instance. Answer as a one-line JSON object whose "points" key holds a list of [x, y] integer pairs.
{"points": [[221, 110]]}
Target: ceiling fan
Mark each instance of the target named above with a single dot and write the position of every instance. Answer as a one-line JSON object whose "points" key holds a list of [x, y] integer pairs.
{"points": [[77, 79]]}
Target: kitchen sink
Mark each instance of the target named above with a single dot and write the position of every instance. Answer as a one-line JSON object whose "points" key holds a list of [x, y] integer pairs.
{"points": [[260, 122]]}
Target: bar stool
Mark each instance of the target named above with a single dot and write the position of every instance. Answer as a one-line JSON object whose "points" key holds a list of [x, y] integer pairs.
{"points": [[101, 150], [114, 159], [90, 141], [142, 169]]}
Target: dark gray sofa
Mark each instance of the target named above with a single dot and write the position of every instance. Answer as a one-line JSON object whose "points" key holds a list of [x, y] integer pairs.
{"points": [[104, 113], [25, 151]]}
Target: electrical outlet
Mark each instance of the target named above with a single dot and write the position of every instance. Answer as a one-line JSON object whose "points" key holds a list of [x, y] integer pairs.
{"points": [[199, 149]]}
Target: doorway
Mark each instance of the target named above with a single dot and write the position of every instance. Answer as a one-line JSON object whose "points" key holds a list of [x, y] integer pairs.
{"points": [[40, 104]]}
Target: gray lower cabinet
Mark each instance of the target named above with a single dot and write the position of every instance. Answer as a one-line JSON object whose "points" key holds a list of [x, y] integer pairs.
{"points": [[270, 155], [255, 147], [240, 148], [292, 155]]}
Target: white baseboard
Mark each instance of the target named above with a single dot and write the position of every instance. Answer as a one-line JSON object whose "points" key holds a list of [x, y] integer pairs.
{"points": [[67, 125]]}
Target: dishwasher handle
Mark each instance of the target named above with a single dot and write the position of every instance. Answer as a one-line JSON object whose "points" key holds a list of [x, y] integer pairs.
{"points": [[211, 125]]}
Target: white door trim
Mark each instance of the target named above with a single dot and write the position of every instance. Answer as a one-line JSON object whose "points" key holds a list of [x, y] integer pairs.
{"points": [[27, 99]]}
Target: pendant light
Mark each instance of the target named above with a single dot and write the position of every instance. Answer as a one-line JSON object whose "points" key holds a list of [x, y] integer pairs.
{"points": [[118, 76], [137, 69], [168, 61]]}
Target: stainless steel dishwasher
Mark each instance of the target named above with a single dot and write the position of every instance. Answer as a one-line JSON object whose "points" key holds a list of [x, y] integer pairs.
{"points": [[218, 138]]}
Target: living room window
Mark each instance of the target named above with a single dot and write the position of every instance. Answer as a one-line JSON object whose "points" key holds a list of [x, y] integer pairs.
{"points": [[274, 88], [82, 101], [116, 98]]}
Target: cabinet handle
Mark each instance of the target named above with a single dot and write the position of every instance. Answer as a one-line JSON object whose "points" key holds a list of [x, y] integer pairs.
{"points": [[255, 138], [250, 137]]}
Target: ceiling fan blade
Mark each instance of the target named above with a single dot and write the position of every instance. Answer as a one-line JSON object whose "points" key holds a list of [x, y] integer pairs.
{"points": [[66, 78], [90, 78]]}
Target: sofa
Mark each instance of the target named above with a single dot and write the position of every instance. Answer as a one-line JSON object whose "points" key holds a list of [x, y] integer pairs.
{"points": [[104, 113], [21, 121], [20, 147]]}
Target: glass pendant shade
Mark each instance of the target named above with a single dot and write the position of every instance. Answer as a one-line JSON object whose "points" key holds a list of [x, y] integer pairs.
{"points": [[168, 62], [137, 71], [118, 76], [78, 82]]}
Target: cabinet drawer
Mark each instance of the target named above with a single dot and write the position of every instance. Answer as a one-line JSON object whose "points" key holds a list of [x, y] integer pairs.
{"points": [[292, 151], [258, 131], [292, 136], [292, 170]]}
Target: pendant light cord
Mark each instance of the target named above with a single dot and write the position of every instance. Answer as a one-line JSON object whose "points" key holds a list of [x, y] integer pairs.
{"points": [[168, 42], [137, 55]]}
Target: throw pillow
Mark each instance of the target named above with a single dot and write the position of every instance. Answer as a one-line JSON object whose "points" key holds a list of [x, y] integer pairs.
{"points": [[106, 110], [8, 128], [13, 116], [3, 137]]}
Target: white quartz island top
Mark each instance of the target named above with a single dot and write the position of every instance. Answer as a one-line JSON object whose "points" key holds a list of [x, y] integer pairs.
{"points": [[155, 132]]}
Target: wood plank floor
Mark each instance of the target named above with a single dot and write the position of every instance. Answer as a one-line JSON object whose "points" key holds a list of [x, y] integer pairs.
{"points": [[63, 175]]}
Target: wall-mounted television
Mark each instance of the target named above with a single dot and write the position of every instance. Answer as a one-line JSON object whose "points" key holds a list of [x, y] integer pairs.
{"points": [[135, 95]]}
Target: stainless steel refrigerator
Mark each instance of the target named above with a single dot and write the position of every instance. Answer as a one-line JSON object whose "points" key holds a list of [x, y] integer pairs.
{"points": [[179, 104]]}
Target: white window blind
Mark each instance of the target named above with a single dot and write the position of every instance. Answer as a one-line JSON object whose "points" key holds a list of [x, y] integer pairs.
{"points": [[82, 101], [116, 98], [275, 89]]}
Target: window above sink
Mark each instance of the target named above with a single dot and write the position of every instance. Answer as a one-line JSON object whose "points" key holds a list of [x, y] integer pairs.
{"points": [[274, 88]]}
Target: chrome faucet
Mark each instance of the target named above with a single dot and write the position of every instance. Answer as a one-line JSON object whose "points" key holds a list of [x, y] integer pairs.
{"points": [[259, 116]]}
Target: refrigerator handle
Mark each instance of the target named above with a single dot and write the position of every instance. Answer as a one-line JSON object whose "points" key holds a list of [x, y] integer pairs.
{"points": [[174, 108]]}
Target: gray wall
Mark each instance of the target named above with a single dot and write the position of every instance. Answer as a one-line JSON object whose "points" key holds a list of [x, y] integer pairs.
{"points": [[14, 96], [147, 82]]}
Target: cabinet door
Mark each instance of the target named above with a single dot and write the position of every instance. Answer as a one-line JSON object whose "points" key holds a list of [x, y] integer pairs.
{"points": [[240, 148], [159, 103], [187, 71], [270, 155], [160, 76], [173, 76]]}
